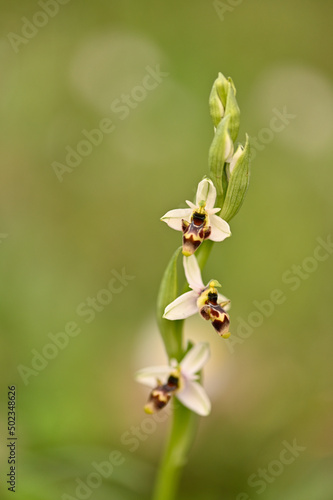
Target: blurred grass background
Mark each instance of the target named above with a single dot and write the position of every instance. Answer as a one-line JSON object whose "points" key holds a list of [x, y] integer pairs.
{"points": [[64, 239]]}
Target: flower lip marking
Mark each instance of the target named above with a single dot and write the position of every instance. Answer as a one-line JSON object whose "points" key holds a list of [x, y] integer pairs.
{"points": [[161, 395], [195, 232]]}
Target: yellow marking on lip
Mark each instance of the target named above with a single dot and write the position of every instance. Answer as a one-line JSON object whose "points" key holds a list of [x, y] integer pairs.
{"points": [[148, 409]]}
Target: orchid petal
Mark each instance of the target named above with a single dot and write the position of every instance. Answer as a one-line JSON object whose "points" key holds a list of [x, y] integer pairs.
{"points": [[149, 376], [182, 307], [206, 192], [220, 228], [191, 205], [194, 397], [222, 298], [213, 211], [193, 273], [195, 359], [229, 149], [174, 217], [235, 158]]}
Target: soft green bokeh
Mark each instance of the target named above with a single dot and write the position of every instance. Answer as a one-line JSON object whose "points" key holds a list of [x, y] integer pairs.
{"points": [[65, 239]]}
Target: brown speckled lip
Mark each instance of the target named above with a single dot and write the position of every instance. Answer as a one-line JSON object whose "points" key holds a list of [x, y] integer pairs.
{"points": [[221, 325], [161, 395]]}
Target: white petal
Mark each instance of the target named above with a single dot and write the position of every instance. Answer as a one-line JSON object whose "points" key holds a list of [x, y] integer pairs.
{"points": [[193, 273], [229, 149], [220, 228], [195, 359], [174, 217], [149, 376], [194, 397], [191, 205], [213, 211], [235, 158], [183, 307], [222, 298], [206, 192]]}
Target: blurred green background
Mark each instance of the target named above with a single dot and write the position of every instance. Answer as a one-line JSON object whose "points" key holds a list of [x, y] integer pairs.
{"points": [[61, 241]]}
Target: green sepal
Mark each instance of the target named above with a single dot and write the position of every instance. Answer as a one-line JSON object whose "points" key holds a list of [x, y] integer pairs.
{"points": [[232, 109], [171, 331], [218, 152], [238, 183]]}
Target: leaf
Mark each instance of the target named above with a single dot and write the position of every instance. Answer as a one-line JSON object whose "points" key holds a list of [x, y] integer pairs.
{"points": [[171, 331]]}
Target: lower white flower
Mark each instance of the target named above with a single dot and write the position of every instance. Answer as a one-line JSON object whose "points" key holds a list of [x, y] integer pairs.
{"points": [[179, 380], [203, 299]]}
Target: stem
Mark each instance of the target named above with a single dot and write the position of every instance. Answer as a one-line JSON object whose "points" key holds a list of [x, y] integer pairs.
{"points": [[203, 253], [175, 455]]}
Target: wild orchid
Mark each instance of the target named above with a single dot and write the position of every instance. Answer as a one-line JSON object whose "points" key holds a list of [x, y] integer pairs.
{"points": [[179, 380], [199, 222], [203, 299], [222, 192]]}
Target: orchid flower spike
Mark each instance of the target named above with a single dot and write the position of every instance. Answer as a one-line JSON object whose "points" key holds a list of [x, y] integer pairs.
{"points": [[179, 380], [203, 299], [199, 222]]}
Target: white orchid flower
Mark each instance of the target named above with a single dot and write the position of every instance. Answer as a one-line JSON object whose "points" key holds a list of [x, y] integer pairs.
{"points": [[203, 299], [199, 222], [179, 380]]}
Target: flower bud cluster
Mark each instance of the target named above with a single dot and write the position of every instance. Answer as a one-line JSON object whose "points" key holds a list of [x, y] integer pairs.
{"points": [[229, 165]]}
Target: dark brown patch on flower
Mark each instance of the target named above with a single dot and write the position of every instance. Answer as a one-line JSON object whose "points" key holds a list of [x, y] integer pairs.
{"points": [[161, 395], [158, 398], [212, 298], [185, 225], [204, 311], [194, 233], [173, 383], [198, 219], [215, 313], [221, 324], [207, 232], [190, 244]]}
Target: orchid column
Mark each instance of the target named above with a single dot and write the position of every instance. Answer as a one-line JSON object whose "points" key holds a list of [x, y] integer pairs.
{"points": [[219, 197]]}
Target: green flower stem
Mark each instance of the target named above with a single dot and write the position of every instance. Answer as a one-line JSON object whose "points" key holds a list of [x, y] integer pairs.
{"points": [[184, 421], [203, 253], [175, 457]]}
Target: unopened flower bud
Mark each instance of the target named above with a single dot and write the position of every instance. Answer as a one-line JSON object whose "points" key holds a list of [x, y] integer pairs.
{"points": [[239, 174], [222, 102]]}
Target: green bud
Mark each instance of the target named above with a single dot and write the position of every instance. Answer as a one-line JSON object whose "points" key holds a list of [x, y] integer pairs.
{"points": [[238, 172], [220, 150], [218, 99], [222, 102]]}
